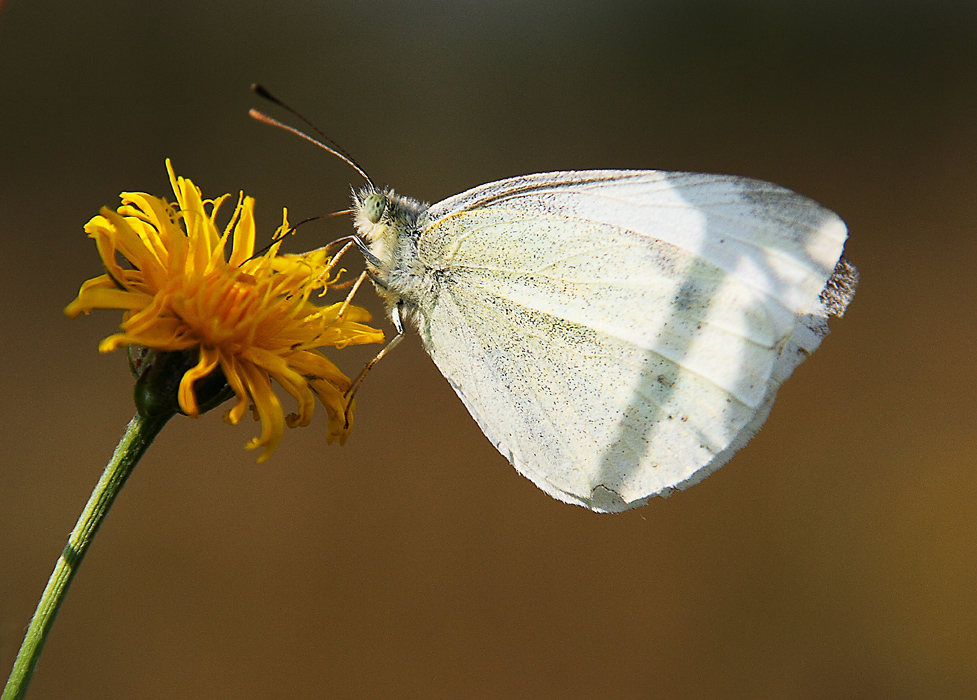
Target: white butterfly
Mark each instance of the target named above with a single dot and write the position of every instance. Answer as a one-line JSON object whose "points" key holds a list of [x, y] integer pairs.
{"points": [[616, 334]]}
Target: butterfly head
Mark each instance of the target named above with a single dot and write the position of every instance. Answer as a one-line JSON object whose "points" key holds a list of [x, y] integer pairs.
{"points": [[378, 214], [370, 215]]}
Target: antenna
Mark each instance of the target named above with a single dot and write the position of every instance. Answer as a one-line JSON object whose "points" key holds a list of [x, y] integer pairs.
{"points": [[336, 150]]}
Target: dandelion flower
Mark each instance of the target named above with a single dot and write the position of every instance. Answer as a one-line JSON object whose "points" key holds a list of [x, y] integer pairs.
{"points": [[250, 316]]}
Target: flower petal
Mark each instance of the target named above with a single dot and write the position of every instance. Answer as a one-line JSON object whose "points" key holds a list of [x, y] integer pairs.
{"points": [[269, 411], [242, 247], [205, 365], [235, 378]]}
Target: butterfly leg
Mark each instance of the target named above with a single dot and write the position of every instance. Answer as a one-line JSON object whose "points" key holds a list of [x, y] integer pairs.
{"points": [[394, 342]]}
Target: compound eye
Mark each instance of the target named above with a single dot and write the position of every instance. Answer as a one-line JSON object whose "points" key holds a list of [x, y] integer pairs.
{"points": [[373, 207]]}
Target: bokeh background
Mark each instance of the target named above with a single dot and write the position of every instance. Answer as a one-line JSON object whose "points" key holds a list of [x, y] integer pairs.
{"points": [[834, 557]]}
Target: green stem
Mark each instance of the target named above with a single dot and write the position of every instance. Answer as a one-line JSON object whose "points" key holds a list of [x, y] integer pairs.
{"points": [[137, 438]]}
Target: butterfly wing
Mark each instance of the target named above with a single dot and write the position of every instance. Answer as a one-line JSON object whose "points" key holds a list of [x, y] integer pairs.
{"points": [[619, 334]]}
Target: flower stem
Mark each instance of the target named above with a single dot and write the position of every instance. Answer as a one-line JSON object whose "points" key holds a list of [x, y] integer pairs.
{"points": [[138, 436]]}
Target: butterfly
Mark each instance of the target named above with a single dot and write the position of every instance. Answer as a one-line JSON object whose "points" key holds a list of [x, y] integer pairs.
{"points": [[616, 334]]}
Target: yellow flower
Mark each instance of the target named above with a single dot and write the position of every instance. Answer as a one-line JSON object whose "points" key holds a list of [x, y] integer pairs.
{"points": [[250, 315]]}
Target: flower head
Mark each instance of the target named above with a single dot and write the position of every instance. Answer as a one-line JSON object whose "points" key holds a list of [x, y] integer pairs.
{"points": [[248, 315]]}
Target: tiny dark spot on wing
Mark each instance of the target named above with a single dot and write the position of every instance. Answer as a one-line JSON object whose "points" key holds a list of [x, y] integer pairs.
{"points": [[667, 381]]}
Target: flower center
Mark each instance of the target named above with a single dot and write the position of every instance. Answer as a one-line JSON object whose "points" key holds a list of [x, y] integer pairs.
{"points": [[219, 308]]}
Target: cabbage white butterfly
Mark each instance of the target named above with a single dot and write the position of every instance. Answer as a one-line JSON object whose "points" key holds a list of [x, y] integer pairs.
{"points": [[616, 334]]}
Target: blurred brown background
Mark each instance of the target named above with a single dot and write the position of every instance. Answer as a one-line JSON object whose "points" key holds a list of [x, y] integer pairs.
{"points": [[833, 558]]}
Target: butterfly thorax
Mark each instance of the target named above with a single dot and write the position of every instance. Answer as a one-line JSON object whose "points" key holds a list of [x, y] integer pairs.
{"points": [[398, 274]]}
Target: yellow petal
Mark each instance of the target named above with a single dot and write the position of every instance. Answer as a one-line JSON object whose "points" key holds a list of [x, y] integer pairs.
{"points": [[205, 365], [243, 243], [233, 374], [106, 298], [269, 411]]}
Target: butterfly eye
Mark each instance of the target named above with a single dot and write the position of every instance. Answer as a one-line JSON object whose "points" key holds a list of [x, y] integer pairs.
{"points": [[373, 207]]}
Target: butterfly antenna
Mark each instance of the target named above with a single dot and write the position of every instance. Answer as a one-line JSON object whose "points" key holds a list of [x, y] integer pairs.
{"points": [[335, 148]]}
